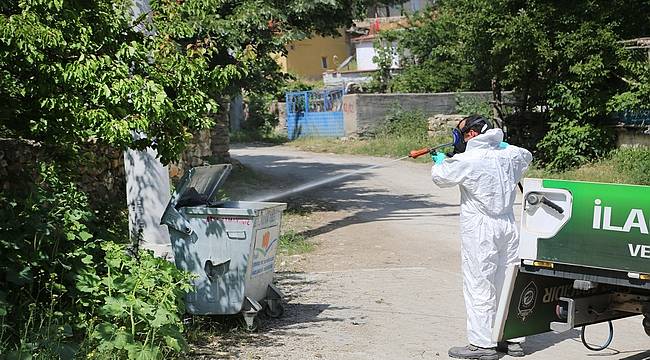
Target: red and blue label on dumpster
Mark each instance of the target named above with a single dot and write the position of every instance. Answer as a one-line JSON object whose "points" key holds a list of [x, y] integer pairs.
{"points": [[266, 242]]}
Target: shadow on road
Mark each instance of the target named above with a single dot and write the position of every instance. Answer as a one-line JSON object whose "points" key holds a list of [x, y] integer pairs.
{"points": [[543, 341], [365, 205], [640, 354], [230, 341]]}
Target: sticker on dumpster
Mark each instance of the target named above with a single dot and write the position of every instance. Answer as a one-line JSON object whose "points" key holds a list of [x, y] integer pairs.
{"points": [[266, 241], [269, 218], [242, 221]]}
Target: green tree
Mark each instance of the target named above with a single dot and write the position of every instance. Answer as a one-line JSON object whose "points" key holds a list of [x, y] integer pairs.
{"points": [[565, 59], [73, 71], [242, 37]]}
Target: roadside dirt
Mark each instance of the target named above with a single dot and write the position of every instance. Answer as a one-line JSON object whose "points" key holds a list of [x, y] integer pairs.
{"points": [[384, 280]]}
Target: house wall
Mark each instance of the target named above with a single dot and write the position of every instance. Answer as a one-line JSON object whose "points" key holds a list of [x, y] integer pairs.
{"points": [[632, 137], [304, 58], [365, 52]]}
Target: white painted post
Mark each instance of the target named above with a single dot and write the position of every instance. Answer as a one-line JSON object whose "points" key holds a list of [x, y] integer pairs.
{"points": [[147, 195], [147, 181]]}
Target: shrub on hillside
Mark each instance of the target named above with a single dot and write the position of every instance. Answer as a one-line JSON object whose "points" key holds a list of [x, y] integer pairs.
{"points": [[634, 163]]}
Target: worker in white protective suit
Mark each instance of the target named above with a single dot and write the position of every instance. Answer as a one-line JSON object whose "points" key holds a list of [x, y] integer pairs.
{"points": [[487, 172]]}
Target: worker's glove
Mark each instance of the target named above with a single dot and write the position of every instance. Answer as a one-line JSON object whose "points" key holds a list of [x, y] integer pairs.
{"points": [[438, 158], [503, 145]]}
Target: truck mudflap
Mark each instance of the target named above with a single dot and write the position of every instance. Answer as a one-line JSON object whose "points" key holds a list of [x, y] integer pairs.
{"points": [[532, 304]]}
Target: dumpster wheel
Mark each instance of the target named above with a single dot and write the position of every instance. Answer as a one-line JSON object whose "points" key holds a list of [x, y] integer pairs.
{"points": [[274, 308], [251, 323]]}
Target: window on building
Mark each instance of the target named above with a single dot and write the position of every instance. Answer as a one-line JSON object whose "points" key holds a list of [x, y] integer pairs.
{"points": [[323, 62]]}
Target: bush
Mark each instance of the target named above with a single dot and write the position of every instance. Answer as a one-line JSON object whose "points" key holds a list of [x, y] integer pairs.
{"points": [[571, 144], [634, 163], [402, 123], [64, 291], [260, 119], [402, 132], [261, 122], [467, 104], [44, 241], [135, 301]]}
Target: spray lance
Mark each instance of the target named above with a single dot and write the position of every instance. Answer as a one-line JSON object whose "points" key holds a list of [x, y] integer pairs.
{"points": [[458, 142], [457, 138]]}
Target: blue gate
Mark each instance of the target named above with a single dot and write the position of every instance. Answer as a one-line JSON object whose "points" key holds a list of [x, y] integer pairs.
{"points": [[634, 117], [315, 113]]}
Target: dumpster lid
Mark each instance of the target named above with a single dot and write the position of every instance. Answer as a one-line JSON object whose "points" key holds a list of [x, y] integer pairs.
{"points": [[199, 185]]}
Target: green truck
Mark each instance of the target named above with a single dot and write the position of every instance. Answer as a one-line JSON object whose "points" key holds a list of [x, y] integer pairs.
{"points": [[585, 259]]}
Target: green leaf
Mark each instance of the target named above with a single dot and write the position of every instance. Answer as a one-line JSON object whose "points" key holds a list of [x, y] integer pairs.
{"points": [[88, 259], [66, 330], [67, 351], [173, 343], [115, 306], [104, 331], [19, 355], [161, 318], [122, 340], [85, 236], [23, 277]]}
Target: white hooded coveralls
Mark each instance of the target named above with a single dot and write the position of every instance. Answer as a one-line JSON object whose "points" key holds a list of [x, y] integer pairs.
{"points": [[487, 176]]}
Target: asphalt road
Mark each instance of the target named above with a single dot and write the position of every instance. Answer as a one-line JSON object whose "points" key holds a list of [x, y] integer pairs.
{"points": [[384, 282]]}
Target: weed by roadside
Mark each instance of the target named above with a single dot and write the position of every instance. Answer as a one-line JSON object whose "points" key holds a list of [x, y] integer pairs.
{"points": [[250, 136], [625, 166], [293, 243], [402, 132]]}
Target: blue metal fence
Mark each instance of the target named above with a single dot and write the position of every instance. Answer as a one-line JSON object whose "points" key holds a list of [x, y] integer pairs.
{"points": [[315, 113], [634, 117]]}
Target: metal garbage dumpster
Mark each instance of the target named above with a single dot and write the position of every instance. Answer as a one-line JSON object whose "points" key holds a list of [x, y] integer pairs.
{"points": [[229, 245]]}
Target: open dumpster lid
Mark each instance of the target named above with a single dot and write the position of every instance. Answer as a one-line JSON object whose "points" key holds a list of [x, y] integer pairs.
{"points": [[199, 185]]}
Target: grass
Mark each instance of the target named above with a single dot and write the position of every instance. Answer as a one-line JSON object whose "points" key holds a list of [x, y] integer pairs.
{"points": [[602, 171], [293, 243], [269, 137], [402, 132], [379, 146], [622, 166]]}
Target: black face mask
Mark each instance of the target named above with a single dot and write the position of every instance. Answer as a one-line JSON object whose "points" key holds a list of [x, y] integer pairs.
{"points": [[459, 141], [460, 145]]}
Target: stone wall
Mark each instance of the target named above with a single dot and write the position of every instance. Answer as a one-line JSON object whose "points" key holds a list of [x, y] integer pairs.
{"points": [[101, 174], [362, 113], [196, 154], [633, 136], [279, 109], [220, 138], [441, 125], [210, 146]]}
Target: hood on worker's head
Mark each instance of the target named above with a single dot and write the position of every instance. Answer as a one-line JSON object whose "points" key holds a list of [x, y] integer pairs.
{"points": [[491, 139]]}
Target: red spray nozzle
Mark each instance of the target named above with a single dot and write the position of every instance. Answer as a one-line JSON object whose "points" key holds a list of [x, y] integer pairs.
{"points": [[417, 153]]}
